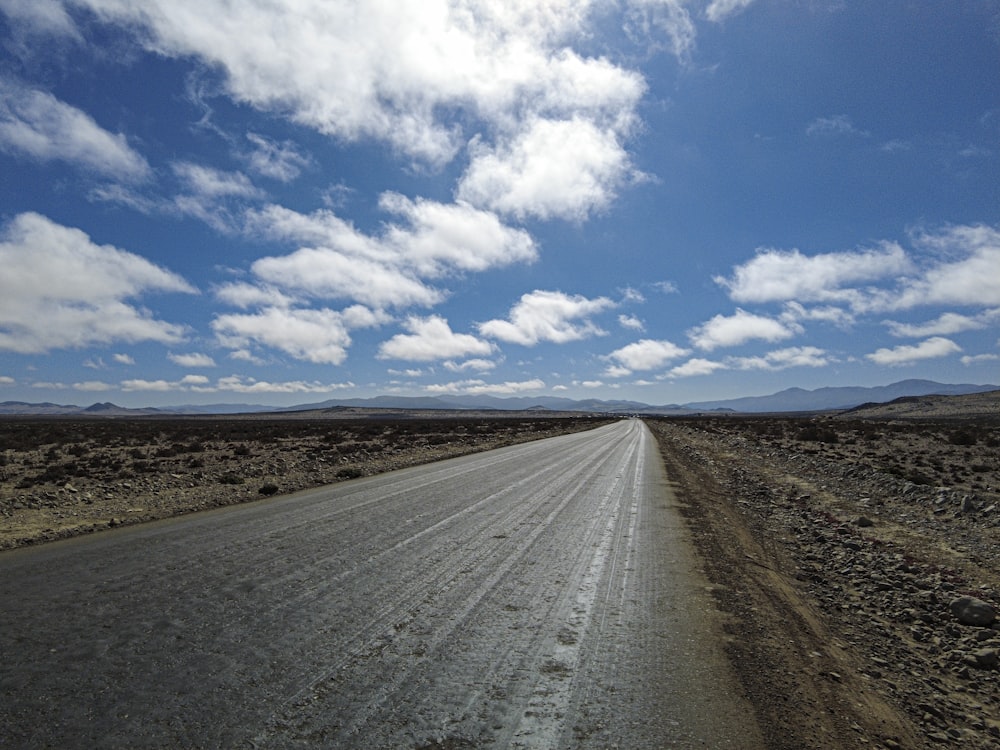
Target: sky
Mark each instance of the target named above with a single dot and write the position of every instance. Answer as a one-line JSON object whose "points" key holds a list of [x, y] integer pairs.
{"points": [[288, 201]]}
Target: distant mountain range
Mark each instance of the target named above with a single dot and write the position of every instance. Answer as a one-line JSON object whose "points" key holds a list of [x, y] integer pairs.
{"points": [[789, 400]]}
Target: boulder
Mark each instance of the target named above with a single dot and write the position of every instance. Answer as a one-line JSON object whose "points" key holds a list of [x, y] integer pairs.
{"points": [[971, 611]]}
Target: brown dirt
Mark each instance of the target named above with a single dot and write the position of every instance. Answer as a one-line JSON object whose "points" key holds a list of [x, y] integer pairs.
{"points": [[837, 572]]}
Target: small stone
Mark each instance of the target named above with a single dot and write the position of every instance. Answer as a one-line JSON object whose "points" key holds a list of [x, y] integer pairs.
{"points": [[971, 611], [987, 658], [864, 522]]}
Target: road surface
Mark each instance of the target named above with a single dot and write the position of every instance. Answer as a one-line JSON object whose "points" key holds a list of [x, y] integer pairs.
{"points": [[537, 596]]}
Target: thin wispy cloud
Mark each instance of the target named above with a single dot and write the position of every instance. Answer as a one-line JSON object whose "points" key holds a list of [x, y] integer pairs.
{"points": [[36, 125]]}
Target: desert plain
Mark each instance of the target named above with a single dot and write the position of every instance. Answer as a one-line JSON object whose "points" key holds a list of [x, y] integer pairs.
{"points": [[840, 547]]}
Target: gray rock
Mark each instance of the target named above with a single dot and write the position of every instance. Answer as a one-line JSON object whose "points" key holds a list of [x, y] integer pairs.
{"points": [[971, 611], [987, 658]]}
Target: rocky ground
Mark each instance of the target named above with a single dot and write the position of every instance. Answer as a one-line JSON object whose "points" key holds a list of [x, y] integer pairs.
{"points": [[62, 477], [849, 553], [860, 564]]}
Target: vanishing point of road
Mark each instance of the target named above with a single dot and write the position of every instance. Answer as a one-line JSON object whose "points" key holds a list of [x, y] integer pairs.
{"points": [[538, 596]]}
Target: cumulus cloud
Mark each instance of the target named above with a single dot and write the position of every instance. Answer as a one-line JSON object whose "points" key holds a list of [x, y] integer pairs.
{"points": [[736, 329], [431, 240], [548, 316], [550, 169], [932, 348], [400, 65], [966, 274], [481, 387], [431, 339], [474, 365], [979, 358], [321, 336], [631, 322], [194, 359], [957, 266], [646, 354], [779, 275], [123, 359], [944, 325], [697, 367], [780, 359], [231, 384], [58, 289], [36, 125]]}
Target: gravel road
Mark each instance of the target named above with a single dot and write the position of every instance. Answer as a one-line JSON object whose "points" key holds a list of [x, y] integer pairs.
{"points": [[540, 596]]}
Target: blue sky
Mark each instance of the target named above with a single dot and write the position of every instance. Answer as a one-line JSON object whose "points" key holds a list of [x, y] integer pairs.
{"points": [[666, 201]]}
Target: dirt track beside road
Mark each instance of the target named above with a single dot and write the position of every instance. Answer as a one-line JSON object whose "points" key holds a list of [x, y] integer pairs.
{"points": [[838, 573]]}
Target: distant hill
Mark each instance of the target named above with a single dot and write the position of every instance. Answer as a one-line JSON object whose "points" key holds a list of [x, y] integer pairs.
{"points": [[980, 406], [847, 397], [789, 400]]}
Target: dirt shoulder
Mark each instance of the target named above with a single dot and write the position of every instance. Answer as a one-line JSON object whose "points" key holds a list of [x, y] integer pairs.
{"points": [[838, 575]]}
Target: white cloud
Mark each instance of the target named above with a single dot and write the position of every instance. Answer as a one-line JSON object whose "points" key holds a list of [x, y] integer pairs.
{"points": [[139, 384], [320, 336], [547, 122], [646, 354], [243, 295], [796, 356], [399, 65], [433, 240], [548, 316], [123, 359], [230, 384], [93, 386], [736, 329], [279, 161], [47, 16], [193, 359], [7, 380], [970, 279], [431, 339], [932, 348], [779, 276], [243, 384], [481, 387], [473, 365], [834, 126], [35, 124], [213, 184], [794, 312], [719, 10], [978, 358], [696, 367], [669, 18], [565, 169], [958, 268], [946, 324], [631, 322], [58, 289]]}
